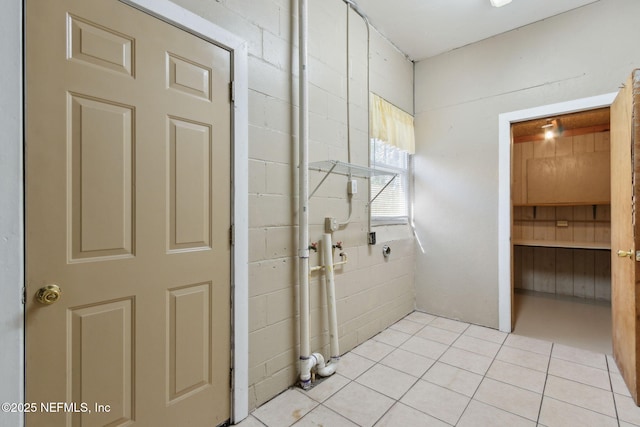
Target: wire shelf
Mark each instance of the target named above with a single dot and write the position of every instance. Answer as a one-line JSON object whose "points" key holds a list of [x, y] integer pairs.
{"points": [[348, 169], [342, 168]]}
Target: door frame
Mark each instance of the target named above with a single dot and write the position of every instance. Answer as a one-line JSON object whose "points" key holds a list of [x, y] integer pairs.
{"points": [[12, 191], [504, 187]]}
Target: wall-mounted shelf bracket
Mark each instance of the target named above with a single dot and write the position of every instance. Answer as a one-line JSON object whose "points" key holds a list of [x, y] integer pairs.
{"points": [[350, 170]]}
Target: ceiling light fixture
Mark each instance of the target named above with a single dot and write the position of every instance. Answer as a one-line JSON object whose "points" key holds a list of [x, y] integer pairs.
{"points": [[499, 3], [547, 129], [552, 128]]}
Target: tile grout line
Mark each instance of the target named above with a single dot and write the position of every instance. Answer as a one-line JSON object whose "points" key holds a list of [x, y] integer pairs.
{"points": [[506, 383], [258, 420], [589, 385], [378, 363], [544, 387], [397, 401], [484, 376], [478, 387], [448, 347], [437, 360], [317, 404], [460, 334], [583, 384], [613, 394], [328, 398], [340, 415], [433, 364], [418, 379]]}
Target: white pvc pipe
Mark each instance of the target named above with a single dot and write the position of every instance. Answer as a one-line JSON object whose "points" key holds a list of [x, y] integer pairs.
{"points": [[303, 201], [327, 250], [325, 369], [316, 360]]}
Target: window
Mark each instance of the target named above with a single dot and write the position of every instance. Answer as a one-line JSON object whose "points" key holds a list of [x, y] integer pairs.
{"points": [[392, 205], [392, 143]]}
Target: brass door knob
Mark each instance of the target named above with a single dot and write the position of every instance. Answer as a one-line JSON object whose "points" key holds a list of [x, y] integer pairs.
{"points": [[48, 294], [623, 254]]}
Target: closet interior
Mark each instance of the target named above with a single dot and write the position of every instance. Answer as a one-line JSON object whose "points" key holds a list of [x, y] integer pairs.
{"points": [[561, 224]]}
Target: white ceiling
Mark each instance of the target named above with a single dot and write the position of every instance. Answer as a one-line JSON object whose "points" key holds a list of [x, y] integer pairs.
{"points": [[424, 28]]}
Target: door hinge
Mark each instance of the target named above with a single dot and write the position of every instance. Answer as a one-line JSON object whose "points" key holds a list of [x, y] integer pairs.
{"points": [[24, 295], [230, 378], [231, 235], [232, 90]]}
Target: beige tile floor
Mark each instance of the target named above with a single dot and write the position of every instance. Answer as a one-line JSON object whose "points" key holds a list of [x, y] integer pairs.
{"points": [[431, 371]]}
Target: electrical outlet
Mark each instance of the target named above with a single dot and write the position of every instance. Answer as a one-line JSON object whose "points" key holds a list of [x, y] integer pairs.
{"points": [[352, 187], [330, 224], [372, 238]]}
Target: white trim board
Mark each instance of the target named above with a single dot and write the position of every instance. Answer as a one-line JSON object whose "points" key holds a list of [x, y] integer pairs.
{"points": [[12, 380], [504, 187], [11, 212]]}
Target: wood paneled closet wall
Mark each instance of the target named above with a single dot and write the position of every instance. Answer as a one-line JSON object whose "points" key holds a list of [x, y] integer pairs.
{"points": [[561, 216]]}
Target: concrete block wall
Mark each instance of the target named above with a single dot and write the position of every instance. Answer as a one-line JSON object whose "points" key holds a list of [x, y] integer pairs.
{"points": [[373, 292]]}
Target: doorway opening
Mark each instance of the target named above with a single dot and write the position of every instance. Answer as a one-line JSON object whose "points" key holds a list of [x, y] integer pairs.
{"points": [[505, 249], [561, 229]]}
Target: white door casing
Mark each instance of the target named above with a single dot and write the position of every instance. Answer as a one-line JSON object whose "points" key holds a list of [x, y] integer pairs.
{"points": [[504, 187]]}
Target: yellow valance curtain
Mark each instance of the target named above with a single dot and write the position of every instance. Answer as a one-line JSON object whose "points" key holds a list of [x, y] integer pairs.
{"points": [[390, 124]]}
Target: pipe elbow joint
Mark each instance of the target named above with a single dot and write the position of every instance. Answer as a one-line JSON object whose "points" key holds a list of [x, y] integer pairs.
{"points": [[329, 368], [306, 365], [319, 361]]}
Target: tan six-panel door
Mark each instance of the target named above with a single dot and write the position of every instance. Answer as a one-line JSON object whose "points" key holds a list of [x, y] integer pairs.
{"points": [[128, 212]]}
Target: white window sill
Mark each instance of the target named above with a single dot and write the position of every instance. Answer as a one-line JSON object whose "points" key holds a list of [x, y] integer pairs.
{"points": [[389, 232]]}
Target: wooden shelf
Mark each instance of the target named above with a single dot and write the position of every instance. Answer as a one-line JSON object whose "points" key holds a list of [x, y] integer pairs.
{"points": [[562, 244], [577, 221], [561, 204]]}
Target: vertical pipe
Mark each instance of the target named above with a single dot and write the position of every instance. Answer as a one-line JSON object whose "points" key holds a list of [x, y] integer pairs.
{"points": [[303, 197], [327, 252], [348, 91], [353, 5]]}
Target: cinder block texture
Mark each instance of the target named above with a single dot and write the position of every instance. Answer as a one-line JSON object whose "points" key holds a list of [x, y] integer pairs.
{"points": [[372, 292]]}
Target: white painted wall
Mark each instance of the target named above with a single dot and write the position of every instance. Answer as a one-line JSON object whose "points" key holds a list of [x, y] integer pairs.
{"points": [[390, 71], [459, 96], [11, 214]]}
